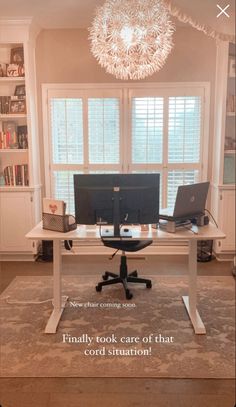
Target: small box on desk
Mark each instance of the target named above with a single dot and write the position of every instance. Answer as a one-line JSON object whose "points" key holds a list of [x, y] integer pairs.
{"points": [[59, 223], [54, 217]]}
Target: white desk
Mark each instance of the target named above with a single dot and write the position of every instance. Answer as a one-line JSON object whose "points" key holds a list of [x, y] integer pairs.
{"points": [[87, 233]]}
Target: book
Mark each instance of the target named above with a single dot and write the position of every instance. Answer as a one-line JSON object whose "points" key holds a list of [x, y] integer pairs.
{"points": [[16, 175]]}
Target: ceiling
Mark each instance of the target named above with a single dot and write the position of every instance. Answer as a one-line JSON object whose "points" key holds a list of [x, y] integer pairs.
{"points": [[52, 14]]}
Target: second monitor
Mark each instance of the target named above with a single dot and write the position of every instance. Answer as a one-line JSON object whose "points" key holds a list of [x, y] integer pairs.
{"points": [[116, 199]]}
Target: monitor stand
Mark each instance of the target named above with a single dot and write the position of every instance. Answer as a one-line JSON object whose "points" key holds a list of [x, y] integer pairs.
{"points": [[173, 226], [116, 232], [109, 233]]}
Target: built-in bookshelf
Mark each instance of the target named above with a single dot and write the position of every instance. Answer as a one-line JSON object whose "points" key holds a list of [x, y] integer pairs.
{"points": [[19, 154], [14, 158], [230, 140], [224, 146]]}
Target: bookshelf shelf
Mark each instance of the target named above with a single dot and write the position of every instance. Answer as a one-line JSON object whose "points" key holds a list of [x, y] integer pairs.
{"points": [[17, 188], [12, 116], [12, 79], [230, 114], [13, 150]]}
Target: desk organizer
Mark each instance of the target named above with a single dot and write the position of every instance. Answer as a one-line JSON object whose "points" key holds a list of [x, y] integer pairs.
{"points": [[58, 223]]}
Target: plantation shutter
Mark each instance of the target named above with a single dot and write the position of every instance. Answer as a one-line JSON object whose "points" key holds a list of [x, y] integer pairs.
{"points": [[67, 131], [67, 145], [147, 130], [184, 137], [131, 130], [184, 129], [104, 130]]}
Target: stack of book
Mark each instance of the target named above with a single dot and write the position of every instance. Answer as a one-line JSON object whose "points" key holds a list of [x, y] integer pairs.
{"points": [[16, 175]]}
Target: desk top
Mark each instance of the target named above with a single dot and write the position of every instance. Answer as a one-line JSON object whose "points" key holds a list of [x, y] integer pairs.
{"points": [[209, 232]]}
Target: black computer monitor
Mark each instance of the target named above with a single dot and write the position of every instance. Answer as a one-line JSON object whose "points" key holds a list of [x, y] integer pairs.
{"points": [[116, 199]]}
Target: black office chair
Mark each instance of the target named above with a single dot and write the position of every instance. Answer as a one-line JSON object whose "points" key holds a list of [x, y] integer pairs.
{"points": [[124, 277]]}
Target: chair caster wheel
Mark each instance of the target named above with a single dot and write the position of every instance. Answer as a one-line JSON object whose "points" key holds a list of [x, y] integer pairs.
{"points": [[149, 285], [98, 288], [105, 277], [128, 295]]}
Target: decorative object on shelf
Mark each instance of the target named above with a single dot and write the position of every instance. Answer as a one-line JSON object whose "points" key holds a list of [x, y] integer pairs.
{"points": [[8, 138], [3, 69], [231, 103], [232, 72], [15, 70], [5, 104], [12, 105], [13, 137], [22, 134], [131, 39], [20, 91], [17, 56], [230, 143], [2, 180], [17, 106]]}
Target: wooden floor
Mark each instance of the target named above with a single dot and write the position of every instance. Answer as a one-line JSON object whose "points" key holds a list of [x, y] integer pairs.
{"points": [[112, 392]]}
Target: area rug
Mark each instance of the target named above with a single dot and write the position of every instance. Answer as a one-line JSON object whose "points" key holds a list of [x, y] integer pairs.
{"points": [[105, 335]]}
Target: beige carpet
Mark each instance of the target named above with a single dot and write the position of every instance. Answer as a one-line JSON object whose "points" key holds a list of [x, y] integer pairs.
{"points": [[151, 316]]}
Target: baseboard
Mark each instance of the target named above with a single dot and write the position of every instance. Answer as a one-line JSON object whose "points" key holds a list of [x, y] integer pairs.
{"points": [[17, 256], [230, 256]]}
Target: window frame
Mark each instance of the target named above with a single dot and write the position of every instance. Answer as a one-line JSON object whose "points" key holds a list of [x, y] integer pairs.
{"points": [[125, 92]]}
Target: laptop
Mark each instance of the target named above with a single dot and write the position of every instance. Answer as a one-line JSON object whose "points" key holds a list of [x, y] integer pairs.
{"points": [[190, 202]]}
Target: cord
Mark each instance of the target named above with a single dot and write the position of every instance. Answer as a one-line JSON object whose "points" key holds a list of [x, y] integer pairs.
{"points": [[190, 229], [70, 247], [212, 217]]}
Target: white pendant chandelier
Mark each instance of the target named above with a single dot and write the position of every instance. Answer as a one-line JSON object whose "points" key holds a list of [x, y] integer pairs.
{"points": [[131, 39]]}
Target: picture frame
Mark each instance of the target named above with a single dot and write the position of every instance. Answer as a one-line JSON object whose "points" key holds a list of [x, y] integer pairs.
{"points": [[17, 56], [20, 91], [18, 106], [232, 69]]}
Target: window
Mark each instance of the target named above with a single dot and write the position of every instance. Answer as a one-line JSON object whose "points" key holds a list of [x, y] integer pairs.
{"points": [[103, 130], [147, 130], [126, 129], [67, 131]]}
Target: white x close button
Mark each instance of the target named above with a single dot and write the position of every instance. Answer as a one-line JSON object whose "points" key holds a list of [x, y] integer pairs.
{"points": [[222, 11]]}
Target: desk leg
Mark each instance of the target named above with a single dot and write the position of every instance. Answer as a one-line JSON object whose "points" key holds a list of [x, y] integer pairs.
{"points": [[190, 301], [58, 301]]}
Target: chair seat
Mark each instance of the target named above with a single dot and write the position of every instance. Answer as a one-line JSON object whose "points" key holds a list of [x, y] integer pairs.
{"points": [[127, 245]]}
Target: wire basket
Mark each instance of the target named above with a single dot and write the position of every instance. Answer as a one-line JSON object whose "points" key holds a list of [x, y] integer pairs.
{"points": [[58, 223], [204, 250]]}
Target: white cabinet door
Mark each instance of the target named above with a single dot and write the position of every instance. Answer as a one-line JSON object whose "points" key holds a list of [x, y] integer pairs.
{"points": [[15, 221], [227, 221]]}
